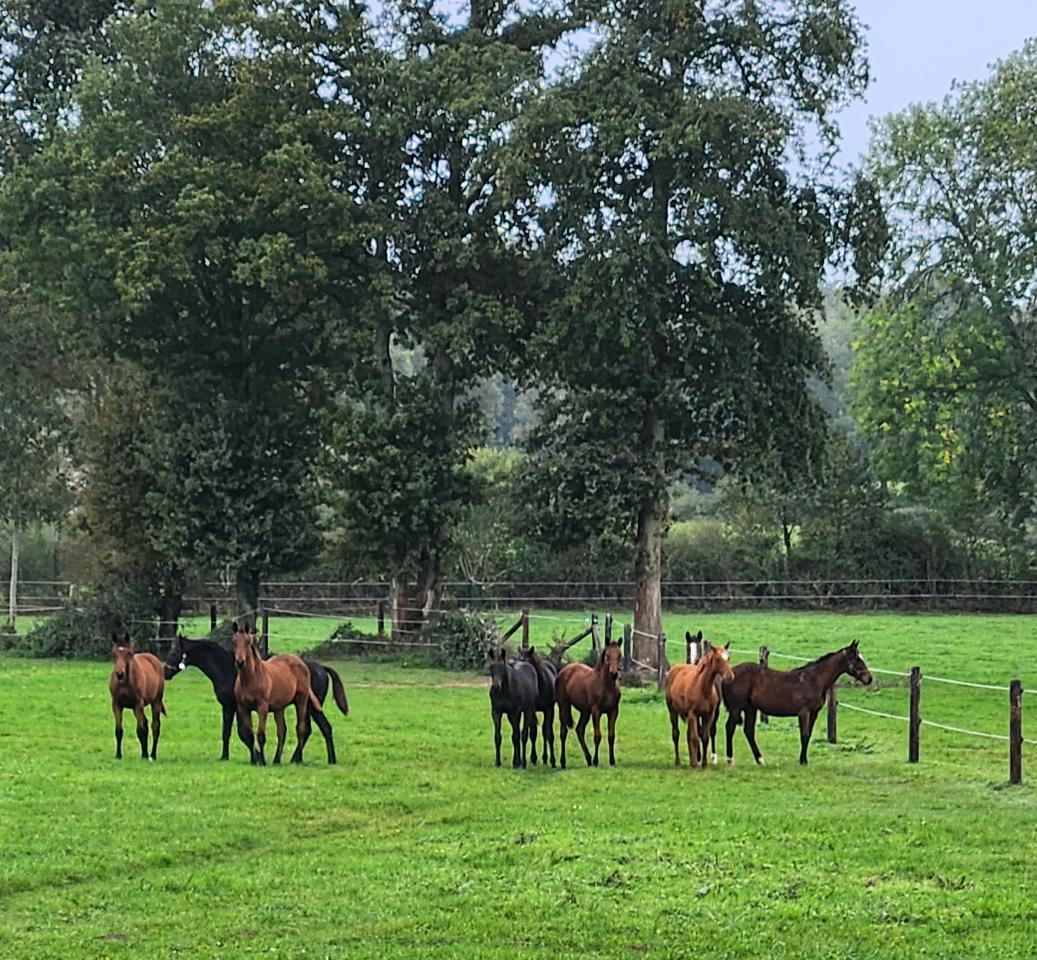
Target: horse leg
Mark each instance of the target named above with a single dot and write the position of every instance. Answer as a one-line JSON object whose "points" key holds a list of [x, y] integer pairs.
{"points": [[261, 712], [690, 721], [750, 733], [612, 736], [675, 730], [713, 735], [302, 725], [596, 716], [531, 732], [581, 727], [515, 719], [806, 728], [496, 735], [245, 732], [282, 734], [549, 732], [694, 739], [156, 726], [324, 726], [117, 711], [228, 722], [142, 730], [732, 721]]}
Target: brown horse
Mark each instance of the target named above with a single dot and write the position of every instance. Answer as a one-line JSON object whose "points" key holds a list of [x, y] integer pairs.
{"points": [[786, 693], [136, 682], [692, 693], [593, 691], [270, 685]]}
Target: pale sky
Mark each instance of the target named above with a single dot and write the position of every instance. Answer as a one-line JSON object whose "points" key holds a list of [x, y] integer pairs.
{"points": [[916, 48]]}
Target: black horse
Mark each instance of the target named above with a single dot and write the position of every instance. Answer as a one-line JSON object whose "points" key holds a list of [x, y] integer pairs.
{"points": [[513, 693], [545, 701], [217, 663]]}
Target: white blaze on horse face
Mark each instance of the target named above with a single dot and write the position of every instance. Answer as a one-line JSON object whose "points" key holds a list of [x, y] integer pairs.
{"points": [[727, 654]]}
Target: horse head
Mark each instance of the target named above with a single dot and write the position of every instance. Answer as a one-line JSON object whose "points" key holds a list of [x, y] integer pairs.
{"points": [[498, 670], [855, 666], [244, 645], [718, 659], [176, 662], [612, 660], [122, 650]]}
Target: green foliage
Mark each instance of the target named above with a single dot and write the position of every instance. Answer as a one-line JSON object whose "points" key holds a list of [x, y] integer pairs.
{"points": [[85, 632], [946, 378], [461, 639]]}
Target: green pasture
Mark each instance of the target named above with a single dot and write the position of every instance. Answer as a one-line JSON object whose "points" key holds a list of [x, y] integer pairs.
{"points": [[416, 846]]}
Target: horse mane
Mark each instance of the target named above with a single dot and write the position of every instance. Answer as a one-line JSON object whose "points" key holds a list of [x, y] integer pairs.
{"points": [[208, 644], [814, 663]]}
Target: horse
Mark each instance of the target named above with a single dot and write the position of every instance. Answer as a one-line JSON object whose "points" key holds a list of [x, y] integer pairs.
{"points": [[270, 685], [513, 693], [217, 663], [787, 693], [691, 692], [136, 682], [593, 691], [545, 701]]}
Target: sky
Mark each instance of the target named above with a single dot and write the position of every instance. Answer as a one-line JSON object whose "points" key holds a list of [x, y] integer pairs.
{"points": [[916, 48]]}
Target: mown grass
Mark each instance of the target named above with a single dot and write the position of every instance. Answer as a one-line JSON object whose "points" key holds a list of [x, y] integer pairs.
{"points": [[415, 845]]}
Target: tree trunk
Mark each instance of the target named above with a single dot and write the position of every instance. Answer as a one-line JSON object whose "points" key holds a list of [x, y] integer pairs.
{"points": [[12, 596], [786, 535], [247, 587], [430, 586], [648, 572], [169, 606], [401, 609]]}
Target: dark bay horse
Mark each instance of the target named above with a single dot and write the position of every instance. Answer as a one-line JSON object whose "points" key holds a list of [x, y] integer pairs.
{"points": [[693, 692], [545, 701], [513, 694], [786, 693], [136, 682], [217, 663], [593, 691], [270, 686]]}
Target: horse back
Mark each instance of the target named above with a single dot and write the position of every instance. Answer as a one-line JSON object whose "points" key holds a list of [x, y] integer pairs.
{"points": [[526, 683], [680, 684], [289, 677], [148, 677]]}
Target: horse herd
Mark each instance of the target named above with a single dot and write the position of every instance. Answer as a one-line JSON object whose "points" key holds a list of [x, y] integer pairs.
{"points": [[520, 688]]}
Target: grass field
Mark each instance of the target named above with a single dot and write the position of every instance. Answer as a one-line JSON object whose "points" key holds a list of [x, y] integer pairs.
{"points": [[416, 846]]}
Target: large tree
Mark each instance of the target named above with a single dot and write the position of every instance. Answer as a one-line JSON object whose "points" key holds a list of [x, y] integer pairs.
{"points": [[456, 291], [946, 376], [686, 203], [195, 213]]}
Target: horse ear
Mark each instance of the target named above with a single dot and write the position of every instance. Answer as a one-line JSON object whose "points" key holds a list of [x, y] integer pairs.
{"points": [[698, 636], [127, 640], [531, 650], [688, 636], [115, 639], [727, 646], [855, 645], [234, 625]]}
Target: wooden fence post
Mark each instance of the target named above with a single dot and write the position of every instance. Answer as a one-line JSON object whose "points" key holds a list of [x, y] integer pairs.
{"points": [[661, 654], [525, 629], [608, 629], [765, 656], [1015, 732], [212, 617], [914, 717], [627, 637], [381, 618], [264, 613], [833, 707], [595, 641]]}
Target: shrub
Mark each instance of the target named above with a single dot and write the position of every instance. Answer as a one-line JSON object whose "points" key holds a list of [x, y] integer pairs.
{"points": [[85, 632], [346, 640], [459, 639]]}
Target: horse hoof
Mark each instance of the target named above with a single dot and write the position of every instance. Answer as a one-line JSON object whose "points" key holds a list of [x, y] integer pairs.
{"points": [[759, 762], [713, 759], [730, 761]]}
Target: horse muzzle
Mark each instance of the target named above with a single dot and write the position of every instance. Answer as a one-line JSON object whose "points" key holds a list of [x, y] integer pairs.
{"points": [[240, 664], [121, 677], [865, 677]]}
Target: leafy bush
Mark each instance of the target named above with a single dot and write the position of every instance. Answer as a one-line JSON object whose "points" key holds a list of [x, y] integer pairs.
{"points": [[86, 632], [345, 640], [460, 639]]}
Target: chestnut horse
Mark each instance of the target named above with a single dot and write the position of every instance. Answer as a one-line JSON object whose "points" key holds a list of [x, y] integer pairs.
{"points": [[593, 691], [136, 682], [786, 693], [692, 692], [270, 685]]}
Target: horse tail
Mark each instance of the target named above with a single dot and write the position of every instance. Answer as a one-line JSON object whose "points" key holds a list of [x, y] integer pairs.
{"points": [[162, 708], [315, 703], [338, 691], [565, 714]]}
